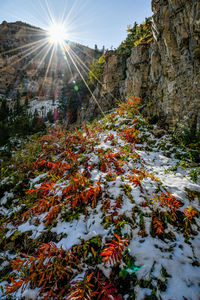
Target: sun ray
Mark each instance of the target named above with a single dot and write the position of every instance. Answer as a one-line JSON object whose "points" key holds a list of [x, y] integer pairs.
{"points": [[22, 47], [43, 56], [47, 18], [27, 50], [49, 63], [26, 54], [66, 59], [63, 13], [50, 13], [66, 22], [46, 52], [52, 38], [100, 82], [94, 98]]}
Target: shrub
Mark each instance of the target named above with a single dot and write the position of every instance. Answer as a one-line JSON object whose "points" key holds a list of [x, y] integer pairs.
{"points": [[138, 34], [96, 69]]}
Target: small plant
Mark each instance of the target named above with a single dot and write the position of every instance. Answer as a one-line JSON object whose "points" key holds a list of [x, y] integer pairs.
{"points": [[130, 135], [107, 291], [190, 212], [131, 106], [86, 130], [158, 225], [194, 175], [111, 160], [110, 176], [82, 289], [51, 269], [136, 180], [169, 201], [109, 138], [91, 287], [113, 251]]}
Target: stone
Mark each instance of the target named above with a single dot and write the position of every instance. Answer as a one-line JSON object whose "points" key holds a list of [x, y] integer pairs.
{"points": [[165, 72]]}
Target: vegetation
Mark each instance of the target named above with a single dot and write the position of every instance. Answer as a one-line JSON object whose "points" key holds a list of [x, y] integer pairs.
{"points": [[91, 191], [96, 69], [17, 121], [72, 96], [138, 34]]}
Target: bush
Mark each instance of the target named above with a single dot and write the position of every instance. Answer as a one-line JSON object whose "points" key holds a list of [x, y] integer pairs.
{"points": [[138, 34], [96, 69]]}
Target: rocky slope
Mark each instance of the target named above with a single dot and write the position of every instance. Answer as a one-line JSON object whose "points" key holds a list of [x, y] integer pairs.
{"points": [[24, 60], [165, 72], [109, 211]]}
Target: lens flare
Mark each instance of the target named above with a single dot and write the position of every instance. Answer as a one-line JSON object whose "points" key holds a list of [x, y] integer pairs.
{"points": [[57, 34]]}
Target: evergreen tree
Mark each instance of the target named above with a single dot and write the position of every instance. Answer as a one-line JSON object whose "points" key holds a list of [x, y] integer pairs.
{"points": [[4, 110]]}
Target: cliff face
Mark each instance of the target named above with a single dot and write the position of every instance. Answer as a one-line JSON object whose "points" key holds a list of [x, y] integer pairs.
{"points": [[109, 91], [166, 72], [28, 66], [169, 73]]}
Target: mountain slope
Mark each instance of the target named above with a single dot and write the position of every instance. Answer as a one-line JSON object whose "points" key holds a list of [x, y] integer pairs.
{"points": [[30, 66], [71, 202]]}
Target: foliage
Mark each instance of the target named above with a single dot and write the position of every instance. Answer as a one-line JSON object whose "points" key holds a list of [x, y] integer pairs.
{"points": [[17, 121], [51, 269], [109, 159], [66, 164], [98, 289], [77, 192], [82, 289], [190, 212], [169, 201], [158, 225], [113, 251], [194, 175], [96, 69], [138, 34], [131, 106], [107, 290], [130, 134]]}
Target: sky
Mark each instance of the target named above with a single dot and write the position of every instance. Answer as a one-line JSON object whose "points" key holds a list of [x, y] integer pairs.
{"points": [[89, 22]]}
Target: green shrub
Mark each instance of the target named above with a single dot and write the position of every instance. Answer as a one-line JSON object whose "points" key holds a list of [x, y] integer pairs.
{"points": [[96, 69], [136, 35]]}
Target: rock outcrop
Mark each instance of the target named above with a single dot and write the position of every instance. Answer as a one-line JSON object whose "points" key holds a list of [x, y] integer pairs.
{"points": [[164, 73], [173, 85], [109, 91]]}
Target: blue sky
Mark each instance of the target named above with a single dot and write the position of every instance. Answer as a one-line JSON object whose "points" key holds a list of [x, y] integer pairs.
{"points": [[90, 22]]}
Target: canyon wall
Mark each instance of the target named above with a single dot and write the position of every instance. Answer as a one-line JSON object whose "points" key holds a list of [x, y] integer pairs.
{"points": [[164, 73]]}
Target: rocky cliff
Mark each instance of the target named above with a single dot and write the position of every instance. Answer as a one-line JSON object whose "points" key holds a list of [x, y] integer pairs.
{"points": [[165, 72], [28, 66]]}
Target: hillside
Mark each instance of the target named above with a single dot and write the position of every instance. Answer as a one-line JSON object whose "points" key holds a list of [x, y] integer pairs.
{"points": [[36, 77], [28, 66], [109, 211]]}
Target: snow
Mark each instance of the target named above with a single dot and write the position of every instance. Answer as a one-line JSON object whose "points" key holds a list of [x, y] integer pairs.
{"points": [[177, 255], [37, 230], [5, 197], [38, 178], [42, 106], [82, 229], [31, 294]]}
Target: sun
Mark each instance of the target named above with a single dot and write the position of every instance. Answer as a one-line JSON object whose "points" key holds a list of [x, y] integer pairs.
{"points": [[57, 34]]}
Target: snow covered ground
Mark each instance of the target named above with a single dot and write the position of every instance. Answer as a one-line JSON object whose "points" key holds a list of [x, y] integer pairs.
{"points": [[43, 106], [134, 169]]}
